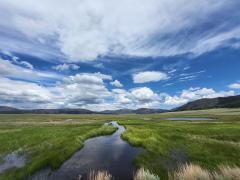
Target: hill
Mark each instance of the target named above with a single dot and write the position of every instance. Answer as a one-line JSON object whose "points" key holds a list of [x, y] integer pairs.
{"points": [[221, 102], [11, 110], [7, 109], [132, 111]]}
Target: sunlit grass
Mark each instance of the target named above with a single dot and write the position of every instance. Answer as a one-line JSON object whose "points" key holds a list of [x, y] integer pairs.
{"points": [[167, 143], [144, 174], [184, 172], [45, 145], [99, 175]]}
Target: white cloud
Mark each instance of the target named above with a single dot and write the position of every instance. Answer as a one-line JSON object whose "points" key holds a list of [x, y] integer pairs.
{"points": [[234, 86], [8, 69], [193, 94], [117, 84], [149, 76], [83, 89], [84, 30], [73, 91], [23, 94], [66, 67], [22, 63], [88, 90], [135, 98]]}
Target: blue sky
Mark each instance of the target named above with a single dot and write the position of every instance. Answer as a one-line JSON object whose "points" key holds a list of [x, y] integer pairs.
{"points": [[106, 54]]}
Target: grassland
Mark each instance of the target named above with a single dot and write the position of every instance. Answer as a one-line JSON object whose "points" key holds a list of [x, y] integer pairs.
{"points": [[48, 140], [45, 140], [167, 143]]}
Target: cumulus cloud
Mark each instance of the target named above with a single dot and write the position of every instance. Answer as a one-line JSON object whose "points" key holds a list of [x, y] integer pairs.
{"points": [[149, 76], [136, 98], [89, 90], [73, 91], [82, 89], [193, 94], [66, 67], [117, 84], [88, 29], [23, 94], [234, 86]]}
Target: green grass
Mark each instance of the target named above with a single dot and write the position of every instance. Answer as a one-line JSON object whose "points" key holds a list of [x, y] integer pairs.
{"points": [[208, 144], [47, 145], [48, 140]]}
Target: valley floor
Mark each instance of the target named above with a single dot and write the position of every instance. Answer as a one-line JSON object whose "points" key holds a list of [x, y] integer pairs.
{"points": [[167, 144], [48, 140]]}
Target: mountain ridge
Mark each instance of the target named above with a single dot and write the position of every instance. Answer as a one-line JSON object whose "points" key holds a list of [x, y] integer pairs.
{"points": [[9, 110], [210, 103], [200, 104]]}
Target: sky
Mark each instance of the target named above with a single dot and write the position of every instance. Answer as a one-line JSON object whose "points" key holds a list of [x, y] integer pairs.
{"points": [[110, 54]]}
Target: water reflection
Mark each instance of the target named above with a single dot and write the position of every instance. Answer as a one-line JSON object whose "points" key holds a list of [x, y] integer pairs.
{"points": [[100, 153]]}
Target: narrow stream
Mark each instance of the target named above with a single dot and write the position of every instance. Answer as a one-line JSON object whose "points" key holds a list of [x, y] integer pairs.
{"points": [[109, 153]]}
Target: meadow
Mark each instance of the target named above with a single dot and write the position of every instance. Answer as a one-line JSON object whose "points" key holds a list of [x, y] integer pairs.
{"points": [[209, 144], [45, 140], [49, 140]]}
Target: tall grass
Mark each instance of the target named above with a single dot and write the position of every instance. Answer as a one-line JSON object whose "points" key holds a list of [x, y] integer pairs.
{"points": [[230, 173], [144, 174], [185, 172], [191, 171], [99, 175]]}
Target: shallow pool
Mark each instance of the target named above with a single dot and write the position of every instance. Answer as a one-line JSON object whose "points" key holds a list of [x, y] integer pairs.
{"points": [[187, 119]]}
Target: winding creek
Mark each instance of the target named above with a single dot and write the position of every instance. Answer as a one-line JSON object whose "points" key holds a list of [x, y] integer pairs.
{"points": [[109, 153]]}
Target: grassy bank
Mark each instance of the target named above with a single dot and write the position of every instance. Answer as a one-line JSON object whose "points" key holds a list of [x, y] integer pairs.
{"points": [[168, 143], [44, 145]]}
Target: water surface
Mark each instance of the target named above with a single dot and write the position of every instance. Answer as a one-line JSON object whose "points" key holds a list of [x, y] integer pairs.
{"points": [[187, 119], [12, 160], [100, 153]]}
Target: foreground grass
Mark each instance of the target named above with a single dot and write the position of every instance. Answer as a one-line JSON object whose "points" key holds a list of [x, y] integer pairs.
{"points": [[184, 172], [191, 171], [169, 143], [45, 145]]}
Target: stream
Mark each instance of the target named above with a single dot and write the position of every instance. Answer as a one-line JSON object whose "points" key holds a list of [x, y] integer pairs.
{"points": [[109, 153]]}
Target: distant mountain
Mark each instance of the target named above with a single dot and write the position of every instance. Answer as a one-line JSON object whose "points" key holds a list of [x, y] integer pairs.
{"points": [[149, 111], [6, 109], [60, 111], [131, 111], [9, 110], [221, 102], [118, 111]]}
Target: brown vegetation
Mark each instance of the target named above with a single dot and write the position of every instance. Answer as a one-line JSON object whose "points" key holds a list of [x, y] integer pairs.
{"points": [[185, 172], [99, 175]]}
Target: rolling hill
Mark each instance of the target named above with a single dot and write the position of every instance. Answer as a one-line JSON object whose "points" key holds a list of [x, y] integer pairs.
{"points": [[220, 102], [11, 110]]}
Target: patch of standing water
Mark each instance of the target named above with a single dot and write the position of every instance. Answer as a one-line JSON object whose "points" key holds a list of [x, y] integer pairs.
{"points": [[12, 160], [109, 153], [187, 119]]}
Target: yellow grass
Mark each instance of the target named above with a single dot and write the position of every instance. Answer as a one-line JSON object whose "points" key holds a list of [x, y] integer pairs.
{"points": [[99, 175], [185, 172], [190, 172], [230, 173], [195, 172], [143, 174]]}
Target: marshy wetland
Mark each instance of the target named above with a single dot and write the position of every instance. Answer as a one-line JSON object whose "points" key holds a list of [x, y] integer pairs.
{"points": [[59, 142]]}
